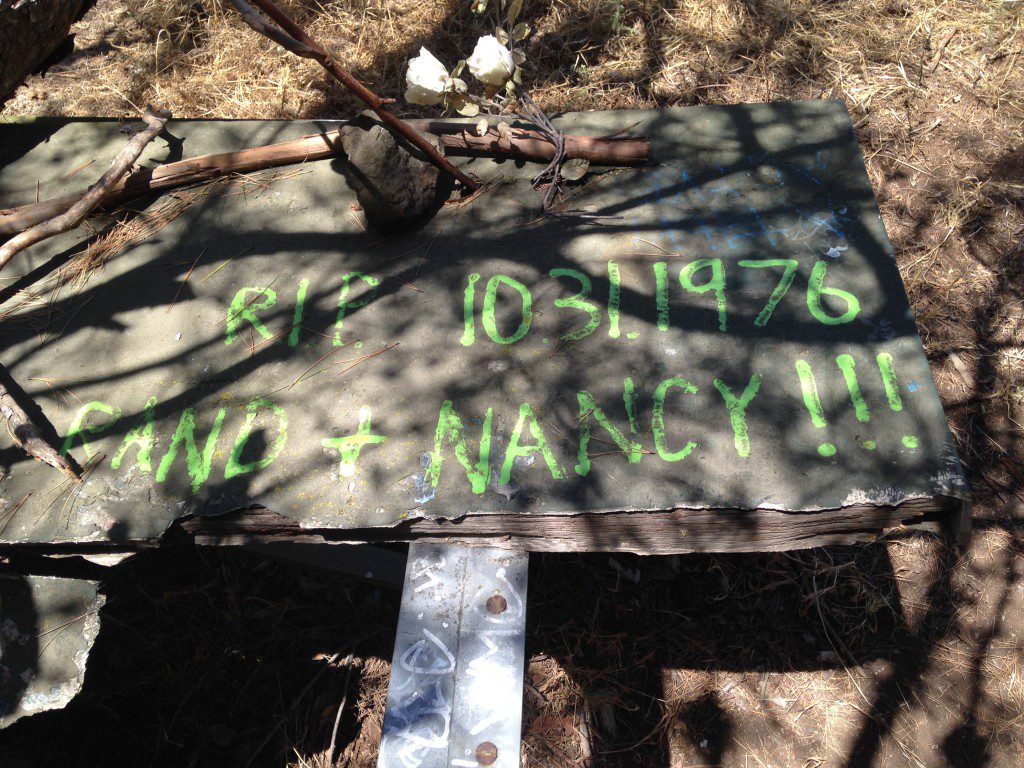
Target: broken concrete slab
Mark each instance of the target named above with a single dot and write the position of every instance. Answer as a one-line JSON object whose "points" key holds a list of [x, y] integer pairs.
{"points": [[734, 336], [47, 627]]}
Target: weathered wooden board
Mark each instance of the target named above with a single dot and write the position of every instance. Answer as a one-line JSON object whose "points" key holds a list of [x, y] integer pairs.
{"points": [[734, 337]]}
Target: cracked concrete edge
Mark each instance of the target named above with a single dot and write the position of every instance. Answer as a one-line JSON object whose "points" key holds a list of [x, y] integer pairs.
{"points": [[48, 626]]}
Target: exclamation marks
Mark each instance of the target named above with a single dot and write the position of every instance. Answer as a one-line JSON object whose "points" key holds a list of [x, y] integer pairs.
{"points": [[813, 403], [892, 393], [892, 384], [847, 366], [661, 294]]}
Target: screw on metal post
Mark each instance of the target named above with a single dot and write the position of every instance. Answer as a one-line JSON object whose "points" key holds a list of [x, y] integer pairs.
{"points": [[486, 753], [497, 604], [463, 612]]}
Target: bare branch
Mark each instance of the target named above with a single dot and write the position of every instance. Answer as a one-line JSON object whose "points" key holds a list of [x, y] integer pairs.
{"points": [[78, 212], [27, 436], [458, 137], [295, 39], [260, 25]]}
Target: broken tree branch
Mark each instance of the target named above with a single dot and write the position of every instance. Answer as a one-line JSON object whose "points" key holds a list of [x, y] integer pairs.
{"points": [[525, 144], [294, 38], [89, 201], [27, 436], [531, 144]]}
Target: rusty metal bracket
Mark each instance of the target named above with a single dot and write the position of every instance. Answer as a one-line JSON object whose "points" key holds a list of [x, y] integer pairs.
{"points": [[456, 691]]}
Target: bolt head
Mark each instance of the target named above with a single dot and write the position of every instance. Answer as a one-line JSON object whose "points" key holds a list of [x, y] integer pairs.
{"points": [[486, 753], [497, 604]]}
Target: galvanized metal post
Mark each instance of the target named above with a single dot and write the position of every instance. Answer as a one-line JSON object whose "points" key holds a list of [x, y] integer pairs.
{"points": [[456, 691]]}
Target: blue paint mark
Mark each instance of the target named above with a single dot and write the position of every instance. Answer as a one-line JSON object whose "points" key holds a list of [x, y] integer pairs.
{"points": [[667, 226], [913, 386], [760, 224], [687, 183], [423, 491]]}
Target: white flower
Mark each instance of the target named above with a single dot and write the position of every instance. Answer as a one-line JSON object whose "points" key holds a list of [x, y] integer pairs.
{"points": [[425, 79], [491, 62]]}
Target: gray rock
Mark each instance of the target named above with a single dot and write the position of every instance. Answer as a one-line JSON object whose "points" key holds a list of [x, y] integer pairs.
{"points": [[393, 181]]}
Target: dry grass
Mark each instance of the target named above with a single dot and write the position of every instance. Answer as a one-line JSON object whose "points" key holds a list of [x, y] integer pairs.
{"points": [[115, 231], [908, 654]]}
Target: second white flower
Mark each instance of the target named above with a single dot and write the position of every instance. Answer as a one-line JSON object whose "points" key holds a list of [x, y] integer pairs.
{"points": [[425, 79], [491, 62]]}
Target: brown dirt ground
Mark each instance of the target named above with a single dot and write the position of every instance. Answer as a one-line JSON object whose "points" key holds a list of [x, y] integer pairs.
{"points": [[907, 653]]}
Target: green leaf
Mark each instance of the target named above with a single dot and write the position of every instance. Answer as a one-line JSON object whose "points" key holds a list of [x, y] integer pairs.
{"points": [[513, 11], [520, 31], [479, 6], [502, 36], [518, 57], [459, 85], [482, 127], [461, 65], [575, 169]]}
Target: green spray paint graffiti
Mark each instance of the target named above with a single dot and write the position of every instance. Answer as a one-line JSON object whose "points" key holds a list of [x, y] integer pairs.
{"points": [[658, 419], [198, 462], [143, 436], [589, 408], [580, 316], [350, 447], [528, 439], [243, 310], [847, 367], [251, 305], [738, 411], [516, 449], [451, 429], [198, 458], [235, 465]]}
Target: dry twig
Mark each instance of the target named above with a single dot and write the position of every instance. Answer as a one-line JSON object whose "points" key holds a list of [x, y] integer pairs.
{"points": [[456, 136], [27, 436], [294, 38], [341, 709], [78, 212]]}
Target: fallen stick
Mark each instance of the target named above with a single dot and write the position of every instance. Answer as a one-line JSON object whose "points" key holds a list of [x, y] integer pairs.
{"points": [[526, 144], [294, 38], [531, 144], [27, 436], [76, 213]]}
